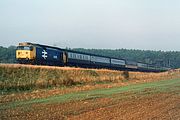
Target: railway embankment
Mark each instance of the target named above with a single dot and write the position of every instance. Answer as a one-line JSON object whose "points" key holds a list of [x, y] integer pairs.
{"points": [[27, 77]]}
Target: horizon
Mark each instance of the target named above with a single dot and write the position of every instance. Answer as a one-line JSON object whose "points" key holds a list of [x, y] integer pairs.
{"points": [[97, 48]]}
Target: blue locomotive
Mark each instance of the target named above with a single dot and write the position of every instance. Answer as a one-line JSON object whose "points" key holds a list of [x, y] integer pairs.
{"points": [[37, 54]]}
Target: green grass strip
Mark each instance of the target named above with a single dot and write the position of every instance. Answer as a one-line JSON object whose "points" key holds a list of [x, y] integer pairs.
{"points": [[161, 86]]}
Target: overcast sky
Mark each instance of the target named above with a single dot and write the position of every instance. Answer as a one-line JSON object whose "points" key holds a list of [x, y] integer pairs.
{"points": [[134, 24]]}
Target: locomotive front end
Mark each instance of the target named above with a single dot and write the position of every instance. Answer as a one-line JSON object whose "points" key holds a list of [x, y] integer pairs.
{"points": [[25, 53]]}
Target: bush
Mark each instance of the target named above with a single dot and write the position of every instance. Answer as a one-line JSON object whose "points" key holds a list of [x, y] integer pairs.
{"points": [[126, 75]]}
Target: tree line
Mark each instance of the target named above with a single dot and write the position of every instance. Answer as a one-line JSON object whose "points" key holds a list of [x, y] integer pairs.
{"points": [[7, 55], [160, 58]]}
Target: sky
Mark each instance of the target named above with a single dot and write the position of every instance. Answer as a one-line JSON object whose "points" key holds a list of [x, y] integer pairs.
{"points": [[112, 24]]}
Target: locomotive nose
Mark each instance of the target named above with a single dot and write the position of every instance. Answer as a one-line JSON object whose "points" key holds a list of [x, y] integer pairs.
{"points": [[20, 54], [24, 52]]}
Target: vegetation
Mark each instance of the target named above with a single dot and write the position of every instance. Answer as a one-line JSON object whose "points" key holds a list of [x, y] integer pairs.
{"points": [[138, 89], [7, 55], [161, 58], [20, 77], [27, 77]]}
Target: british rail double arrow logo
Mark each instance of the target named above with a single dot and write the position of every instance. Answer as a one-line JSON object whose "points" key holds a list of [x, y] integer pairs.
{"points": [[44, 54]]}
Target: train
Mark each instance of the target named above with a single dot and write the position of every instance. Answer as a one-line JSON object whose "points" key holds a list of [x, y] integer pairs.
{"points": [[37, 54]]}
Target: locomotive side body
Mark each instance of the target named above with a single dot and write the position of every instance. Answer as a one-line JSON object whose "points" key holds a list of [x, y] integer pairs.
{"points": [[48, 56]]}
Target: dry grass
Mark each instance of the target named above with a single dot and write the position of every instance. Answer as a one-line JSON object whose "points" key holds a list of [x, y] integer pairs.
{"points": [[16, 76]]}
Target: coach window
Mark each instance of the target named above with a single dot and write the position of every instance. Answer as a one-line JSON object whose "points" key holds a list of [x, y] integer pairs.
{"points": [[71, 55], [80, 56]]}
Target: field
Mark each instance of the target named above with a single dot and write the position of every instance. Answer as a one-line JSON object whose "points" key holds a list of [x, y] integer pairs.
{"points": [[138, 96]]}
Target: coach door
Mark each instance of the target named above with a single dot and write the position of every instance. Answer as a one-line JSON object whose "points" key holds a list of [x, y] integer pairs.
{"points": [[65, 60]]}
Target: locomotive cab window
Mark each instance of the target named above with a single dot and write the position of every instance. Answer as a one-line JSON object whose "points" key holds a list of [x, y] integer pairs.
{"points": [[25, 48]]}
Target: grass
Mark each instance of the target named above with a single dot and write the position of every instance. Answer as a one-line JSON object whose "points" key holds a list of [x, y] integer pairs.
{"points": [[15, 77], [160, 86], [24, 77]]}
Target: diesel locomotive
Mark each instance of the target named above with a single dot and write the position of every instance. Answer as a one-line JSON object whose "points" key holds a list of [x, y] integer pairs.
{"points": [[37, 54]]}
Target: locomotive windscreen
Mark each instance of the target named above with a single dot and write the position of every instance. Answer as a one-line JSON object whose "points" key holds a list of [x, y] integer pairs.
{"points": [[24, 48]]}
